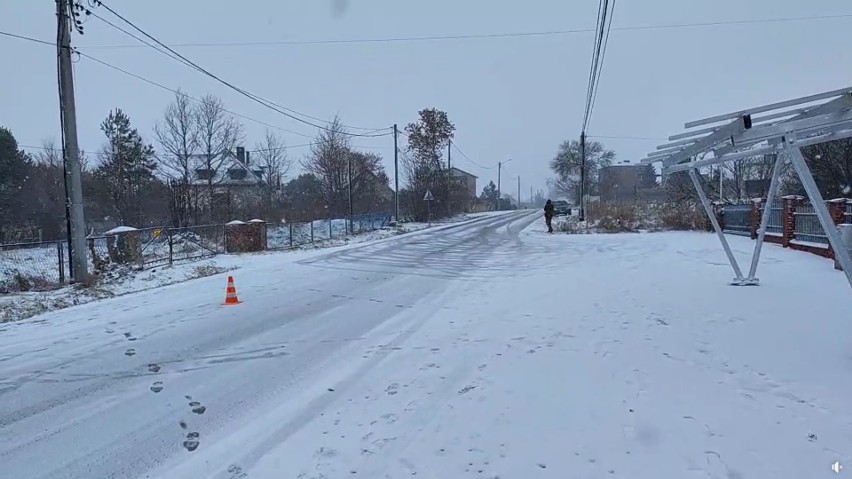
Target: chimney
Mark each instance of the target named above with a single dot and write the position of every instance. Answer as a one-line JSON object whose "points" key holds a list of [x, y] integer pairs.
{"points": [[247, 158], [241, 154]]}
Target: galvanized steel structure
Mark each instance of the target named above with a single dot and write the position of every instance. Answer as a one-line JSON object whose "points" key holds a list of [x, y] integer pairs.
{"points": [[780, 129]]}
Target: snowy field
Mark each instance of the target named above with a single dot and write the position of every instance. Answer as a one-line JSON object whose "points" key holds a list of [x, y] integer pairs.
{"points": [[488, 349]]}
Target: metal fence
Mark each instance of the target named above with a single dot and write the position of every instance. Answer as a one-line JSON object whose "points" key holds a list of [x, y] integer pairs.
{"points": [[32, 266], [297, 234], [40, 266], [737, 219], [776, 217], [808, 227]]}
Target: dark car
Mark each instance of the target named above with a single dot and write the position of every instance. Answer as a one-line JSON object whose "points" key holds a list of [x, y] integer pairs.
{"points": [[561, 208]]}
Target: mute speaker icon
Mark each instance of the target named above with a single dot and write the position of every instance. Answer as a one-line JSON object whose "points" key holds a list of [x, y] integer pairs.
{"points": [[836, 467]]}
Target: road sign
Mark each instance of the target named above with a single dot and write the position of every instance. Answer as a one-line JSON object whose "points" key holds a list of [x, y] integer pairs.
{"points": [[428, 196]]}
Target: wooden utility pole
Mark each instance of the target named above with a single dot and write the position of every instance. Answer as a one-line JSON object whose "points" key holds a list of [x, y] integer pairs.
{"points": [[396, 171], [449, 178], [519, 191], [499, 170], [349, 187], [583, 176], [70, 148]]}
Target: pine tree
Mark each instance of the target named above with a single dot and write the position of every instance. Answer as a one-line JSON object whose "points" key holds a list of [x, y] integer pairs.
{"points": [[14, 169], [128, 166]]}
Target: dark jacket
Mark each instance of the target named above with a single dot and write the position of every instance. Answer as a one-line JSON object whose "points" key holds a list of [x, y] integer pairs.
{"points": [[548, 209]]}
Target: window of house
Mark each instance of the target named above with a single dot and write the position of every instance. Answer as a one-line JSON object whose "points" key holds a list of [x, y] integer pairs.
{"points": [[204, 173], [237, 173]]}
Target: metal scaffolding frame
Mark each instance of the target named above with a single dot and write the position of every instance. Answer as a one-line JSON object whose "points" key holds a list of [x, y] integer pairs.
{"points": [[782, 130]]}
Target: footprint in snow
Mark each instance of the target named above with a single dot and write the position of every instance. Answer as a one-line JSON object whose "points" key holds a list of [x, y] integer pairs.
{"points": [[154, 368], [197, 408], [130, 352], [191, 442], [157, 386], [236, 472]]}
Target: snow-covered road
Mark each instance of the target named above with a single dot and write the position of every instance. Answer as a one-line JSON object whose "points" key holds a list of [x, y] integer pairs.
{"points": [[484, 349]]}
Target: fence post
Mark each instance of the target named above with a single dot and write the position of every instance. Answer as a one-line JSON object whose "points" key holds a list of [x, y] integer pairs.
{"points": [[837, 211], [171, 246], [61, 262], [846, 234], [291, 233], [789, 219], [330, 233], [312, 231], [754, 217]]}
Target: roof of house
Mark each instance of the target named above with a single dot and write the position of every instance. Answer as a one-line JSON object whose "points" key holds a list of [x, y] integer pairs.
{"points": [[222, 175], [457, 172]]}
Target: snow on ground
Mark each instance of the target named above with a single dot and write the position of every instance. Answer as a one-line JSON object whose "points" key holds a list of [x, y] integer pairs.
{"points": [[485, 350], [15, 306]]}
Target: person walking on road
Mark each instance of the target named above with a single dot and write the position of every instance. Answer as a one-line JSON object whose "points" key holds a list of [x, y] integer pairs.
{"points": [[548, 215]]}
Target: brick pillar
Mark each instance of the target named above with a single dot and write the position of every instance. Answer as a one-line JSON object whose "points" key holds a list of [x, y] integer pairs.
{"points": [[837, 210], [790, 204], [755, 216], [719, 212]]}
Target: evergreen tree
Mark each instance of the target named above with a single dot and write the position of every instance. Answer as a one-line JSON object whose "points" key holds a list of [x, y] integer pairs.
{"points": [[428, 138], [489, 193], [128, 167], [14, 169]]}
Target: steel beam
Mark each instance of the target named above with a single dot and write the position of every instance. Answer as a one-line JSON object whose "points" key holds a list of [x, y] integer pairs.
{"points": [[764, 219], [770, 107], [793, 151], [708, 208]]}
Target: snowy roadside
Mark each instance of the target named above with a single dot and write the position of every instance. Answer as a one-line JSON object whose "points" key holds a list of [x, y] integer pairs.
{"points": [[22, 305], [610, 356]]}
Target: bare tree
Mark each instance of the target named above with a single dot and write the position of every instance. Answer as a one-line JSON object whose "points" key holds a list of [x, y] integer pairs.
{"points": [[272, 158], [568, 165], [178, 137], [219, 133], [328, 161], [737, 173]]}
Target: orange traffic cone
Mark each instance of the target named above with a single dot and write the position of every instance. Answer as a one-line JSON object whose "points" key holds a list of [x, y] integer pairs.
{"points": [[231, 292]]}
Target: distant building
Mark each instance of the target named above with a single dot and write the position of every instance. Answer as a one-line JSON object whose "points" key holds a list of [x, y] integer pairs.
{"points": [[465, 179], [229, 169], [626, 182]]}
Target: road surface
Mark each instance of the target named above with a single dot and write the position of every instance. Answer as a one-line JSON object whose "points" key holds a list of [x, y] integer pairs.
{"points": [[482, 349], [80, 400]]}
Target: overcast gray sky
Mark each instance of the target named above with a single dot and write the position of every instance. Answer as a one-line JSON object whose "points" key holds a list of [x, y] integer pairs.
{"points": [[515, 97]]}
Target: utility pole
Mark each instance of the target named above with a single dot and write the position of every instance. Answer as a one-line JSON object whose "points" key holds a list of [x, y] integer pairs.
{"points": [[449, 178], [531, 197], [583, 176], [396, 171], [519, 191], [349, 181], [70, 148], [499, 169]]}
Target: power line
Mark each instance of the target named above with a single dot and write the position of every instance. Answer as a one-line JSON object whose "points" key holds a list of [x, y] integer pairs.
{"points": [[604, 25], [430, 38], [456, 147], [181, 58], [177, 92], [151, 82], [638, 138], [31, 39], [603, 55]]}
